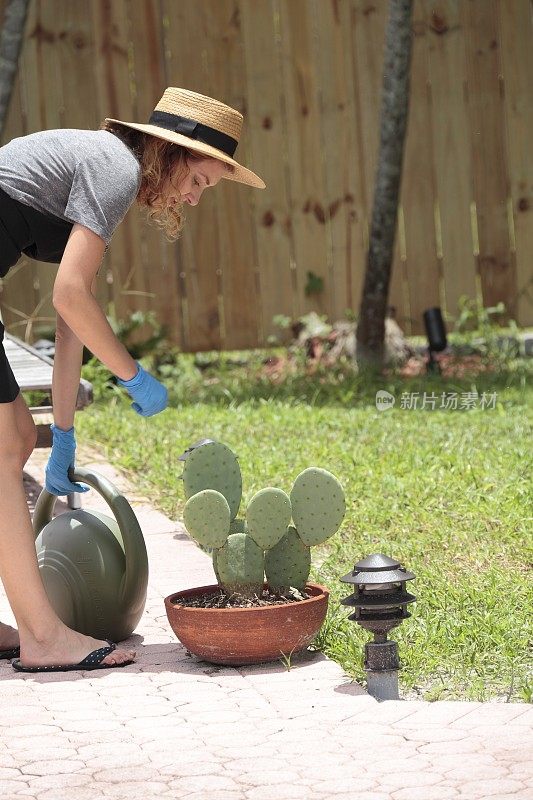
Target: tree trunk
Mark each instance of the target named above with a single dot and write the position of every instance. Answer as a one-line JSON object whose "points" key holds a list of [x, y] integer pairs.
{"points": [[394, 111], [10, 44]]}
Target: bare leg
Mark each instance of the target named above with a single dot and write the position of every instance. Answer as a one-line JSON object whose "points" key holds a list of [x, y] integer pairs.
{"points": [[44, 639]]}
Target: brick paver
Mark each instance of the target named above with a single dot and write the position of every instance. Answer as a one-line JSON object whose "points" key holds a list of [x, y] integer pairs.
{"points": [[171, 726]]}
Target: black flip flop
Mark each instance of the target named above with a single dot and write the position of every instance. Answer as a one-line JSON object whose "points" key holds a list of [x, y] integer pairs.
{"points": [[13, 653], [92, 661]]}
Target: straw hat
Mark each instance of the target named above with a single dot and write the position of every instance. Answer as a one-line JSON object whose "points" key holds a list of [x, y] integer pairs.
{"points": [[199, 123]]}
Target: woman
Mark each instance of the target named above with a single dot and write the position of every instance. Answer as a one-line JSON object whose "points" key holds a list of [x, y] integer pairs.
{"points": [[62, 194]]}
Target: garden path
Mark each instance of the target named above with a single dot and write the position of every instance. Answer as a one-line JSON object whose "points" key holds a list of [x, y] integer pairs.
{"points": [[171, 726]]}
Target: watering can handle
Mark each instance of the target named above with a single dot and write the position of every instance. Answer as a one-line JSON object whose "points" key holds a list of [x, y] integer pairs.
{"points": [[44, 508], [132, 537]]}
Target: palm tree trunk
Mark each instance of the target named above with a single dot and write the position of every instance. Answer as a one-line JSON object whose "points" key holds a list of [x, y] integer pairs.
{"points": [[394, 112], [10, 44]]}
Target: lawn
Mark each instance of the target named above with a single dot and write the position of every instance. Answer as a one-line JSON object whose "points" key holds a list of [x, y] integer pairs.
{"points": [[447, 492]]}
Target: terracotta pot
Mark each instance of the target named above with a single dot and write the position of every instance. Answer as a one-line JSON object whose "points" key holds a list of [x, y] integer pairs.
{"points": [[247, 635]]}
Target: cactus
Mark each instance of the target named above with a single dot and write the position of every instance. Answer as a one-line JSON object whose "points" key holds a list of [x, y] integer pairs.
{"points": [[240, 564], [213, 466], [288, 563], [267, 517], [213, 487], [207, 518], [318, 505]]}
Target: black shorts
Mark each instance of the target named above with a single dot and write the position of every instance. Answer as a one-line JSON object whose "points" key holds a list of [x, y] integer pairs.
{"points": [[36, 234], [24, 229], [9, 388]]}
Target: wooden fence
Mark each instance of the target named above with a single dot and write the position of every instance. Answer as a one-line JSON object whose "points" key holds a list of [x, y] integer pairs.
{"points": [[307, 76]]}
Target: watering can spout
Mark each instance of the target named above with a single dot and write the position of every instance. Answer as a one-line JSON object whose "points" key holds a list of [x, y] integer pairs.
{"points": [[132, 591]]}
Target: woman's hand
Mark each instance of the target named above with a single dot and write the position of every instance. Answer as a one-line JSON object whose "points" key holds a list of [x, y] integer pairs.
{"points": [[61, 460], [148, 394]]}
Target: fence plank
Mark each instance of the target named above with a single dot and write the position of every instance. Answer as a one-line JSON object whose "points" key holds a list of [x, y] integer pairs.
{"points": [[418, 195], [35, 68], [76, 55], [367, 34], [123, 265], [198, 248], [345, 242], [305, 154], [237, 257], [357, 204], [264, 122], [48, 34], [452, 158], [495, 265], [517, 66], [158, 256]]}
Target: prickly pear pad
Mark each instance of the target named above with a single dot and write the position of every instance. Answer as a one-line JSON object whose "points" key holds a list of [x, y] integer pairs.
{"points": [[241, 564], [288, 563], [214, 466], [318, 505], [207, 518], [267, 516]]}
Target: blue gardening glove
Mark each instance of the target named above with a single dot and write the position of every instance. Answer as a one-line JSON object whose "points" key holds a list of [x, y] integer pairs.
{"points": [[61, 460], [148, 394]]}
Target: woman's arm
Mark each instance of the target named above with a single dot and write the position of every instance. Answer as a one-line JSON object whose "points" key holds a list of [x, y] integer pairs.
{"points": [[66, 377], [67, 371], [80, 313]]}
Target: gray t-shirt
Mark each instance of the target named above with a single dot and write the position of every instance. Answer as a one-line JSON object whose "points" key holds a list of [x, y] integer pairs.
{"points": [[90, 177]]}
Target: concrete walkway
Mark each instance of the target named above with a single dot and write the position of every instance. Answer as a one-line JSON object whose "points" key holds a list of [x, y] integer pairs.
{"points": [[171, 726]]}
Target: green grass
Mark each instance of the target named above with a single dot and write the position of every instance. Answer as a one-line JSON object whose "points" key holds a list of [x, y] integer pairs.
{"points": [[448, 493]]}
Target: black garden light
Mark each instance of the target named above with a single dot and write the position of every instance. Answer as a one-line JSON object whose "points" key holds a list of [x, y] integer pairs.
{"points": [[380, 601], [436, 333]]}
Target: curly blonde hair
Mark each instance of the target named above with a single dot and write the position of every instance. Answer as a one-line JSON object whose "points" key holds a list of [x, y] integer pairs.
{"points": [[159, 160]]}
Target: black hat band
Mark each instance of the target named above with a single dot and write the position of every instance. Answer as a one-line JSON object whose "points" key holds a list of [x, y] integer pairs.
{"points": [[194, 130]]}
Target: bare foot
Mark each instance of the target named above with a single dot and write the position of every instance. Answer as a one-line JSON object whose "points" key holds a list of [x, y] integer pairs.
{"points": [[65, 648], [9, 637]]}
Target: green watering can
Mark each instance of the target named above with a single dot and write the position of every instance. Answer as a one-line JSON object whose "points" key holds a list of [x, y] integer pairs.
{"points": [[94, 569]]}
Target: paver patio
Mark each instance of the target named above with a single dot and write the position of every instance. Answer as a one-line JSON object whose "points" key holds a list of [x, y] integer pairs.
{"points": [[171, 726]]}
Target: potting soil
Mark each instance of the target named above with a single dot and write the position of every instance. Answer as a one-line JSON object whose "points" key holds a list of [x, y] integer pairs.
{"points": [[220, 599]]}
